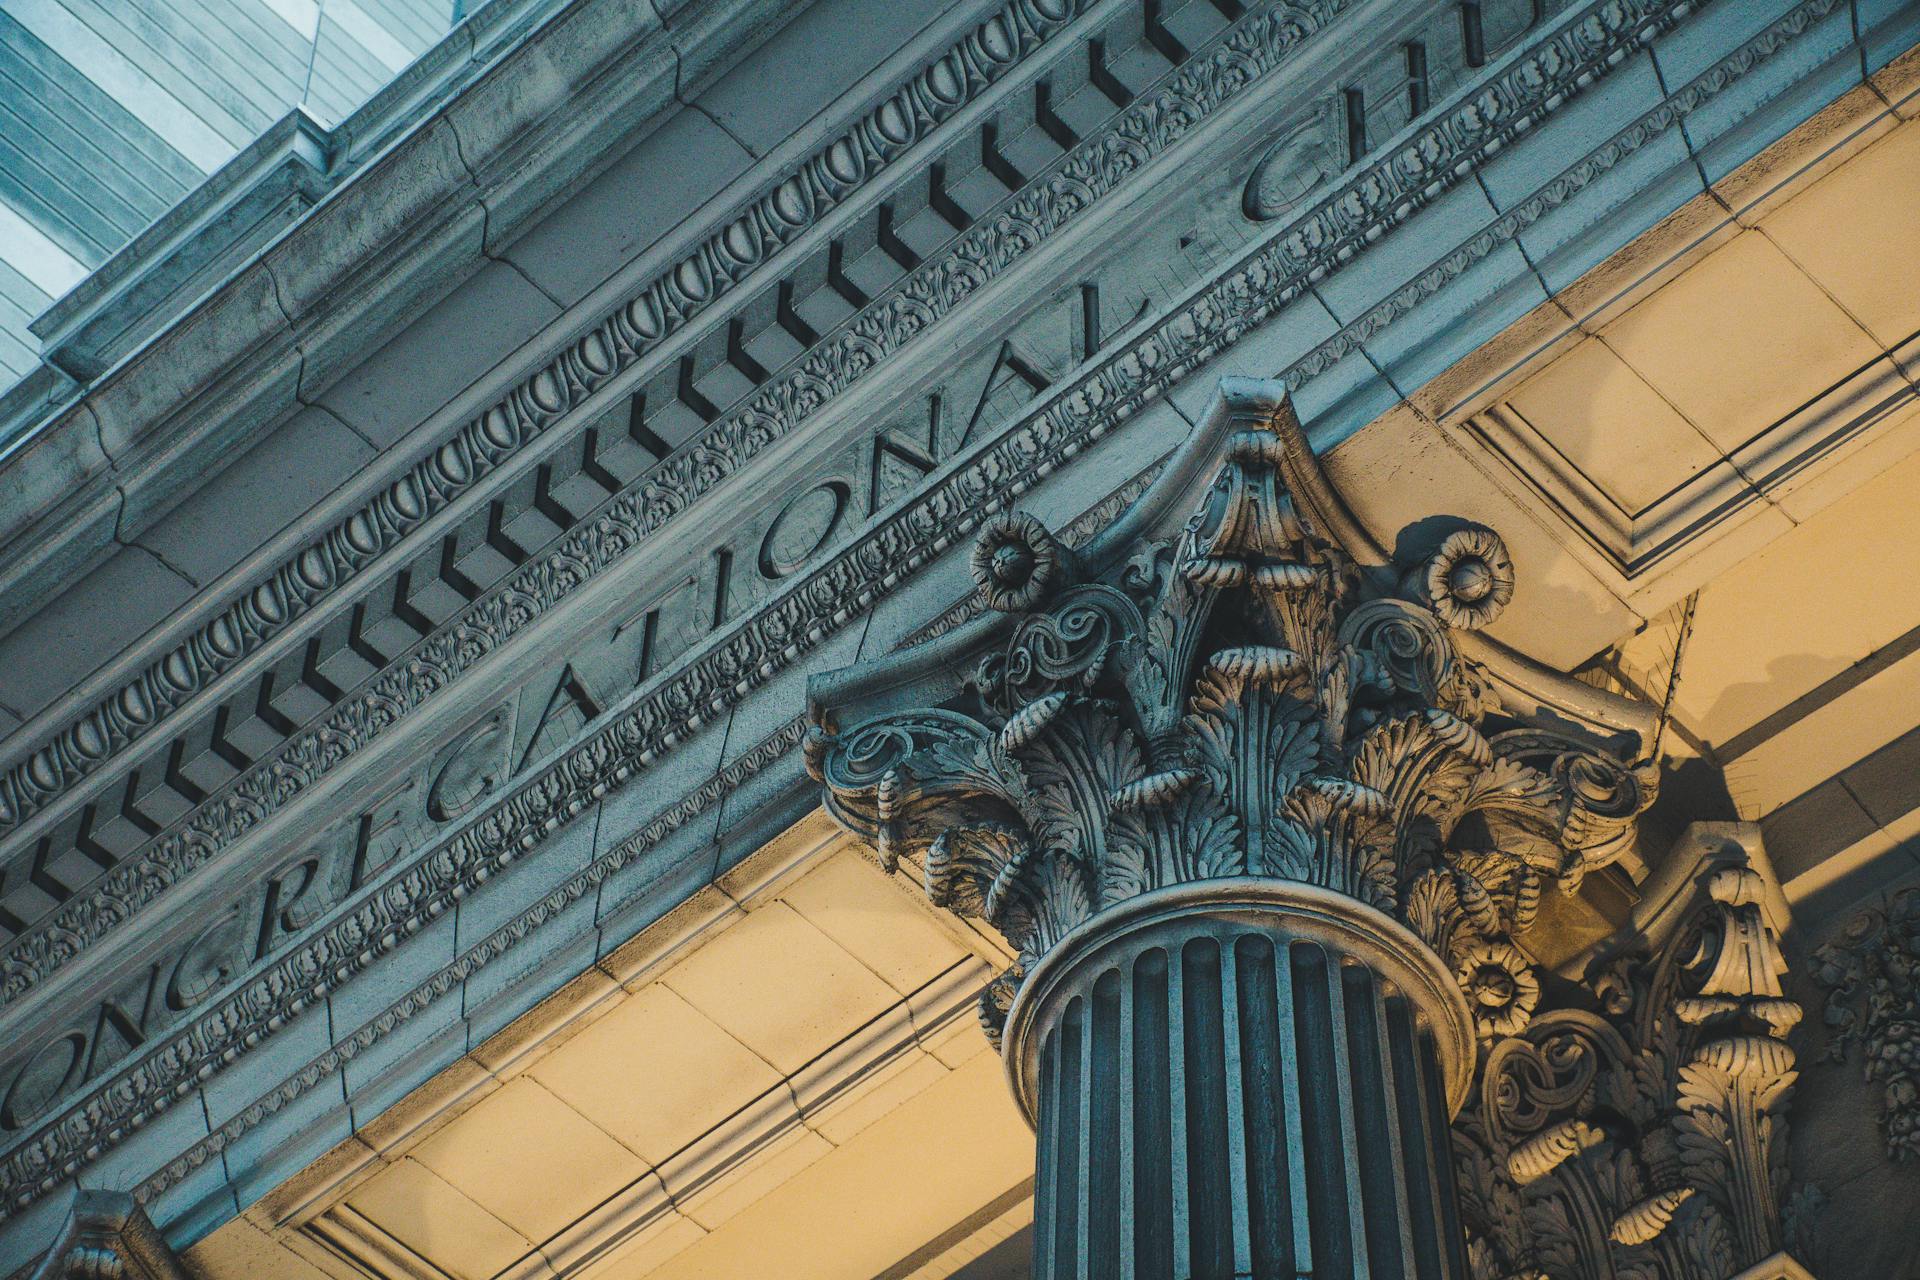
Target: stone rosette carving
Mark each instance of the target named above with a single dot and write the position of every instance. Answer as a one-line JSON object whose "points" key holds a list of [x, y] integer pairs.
{"points": [[1638, 1128], [1017, 563], [1871, 972], [1242, 699], [1468, 582]]}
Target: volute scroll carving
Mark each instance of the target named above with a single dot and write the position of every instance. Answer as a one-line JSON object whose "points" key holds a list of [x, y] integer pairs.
{"points": [[1239, 697]]}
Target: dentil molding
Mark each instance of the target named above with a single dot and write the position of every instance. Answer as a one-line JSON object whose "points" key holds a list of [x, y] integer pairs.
{"points": [[1067, 192], [681, 293]]}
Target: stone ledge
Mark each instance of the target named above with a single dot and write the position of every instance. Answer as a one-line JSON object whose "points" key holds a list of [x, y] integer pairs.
{"points": [[87, 466]]}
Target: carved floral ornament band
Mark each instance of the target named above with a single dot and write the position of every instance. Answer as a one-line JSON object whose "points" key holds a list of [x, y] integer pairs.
{"points": [[1261, 705]]}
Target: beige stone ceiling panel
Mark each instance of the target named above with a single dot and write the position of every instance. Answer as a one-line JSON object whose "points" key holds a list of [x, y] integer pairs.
{"points": [[1892, 437], [801, 1041], [1606, 421], [1792, 620], [1825, 594], [980, 1240], [1724, 378], [1826, 740], [655, 1073], [860, 1209], [887, 1088], [528, 1158], [906, 949], [429, 1216], [1855, 233], [1740, 340], [710, 1203], [242, 1249], [780, 986]]}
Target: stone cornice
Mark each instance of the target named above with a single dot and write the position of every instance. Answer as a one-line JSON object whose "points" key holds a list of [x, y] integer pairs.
{"points": [[401, 229], [1060, 426], [124, 300], [612, 532], [787, 206]]}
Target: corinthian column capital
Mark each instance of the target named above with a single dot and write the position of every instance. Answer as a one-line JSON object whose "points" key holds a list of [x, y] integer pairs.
{"points": [[1266, 837], [1268, 819], [1248, 696]]}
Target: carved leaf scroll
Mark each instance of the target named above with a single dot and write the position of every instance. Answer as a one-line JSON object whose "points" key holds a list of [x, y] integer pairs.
{"points": [[1242, 700]]}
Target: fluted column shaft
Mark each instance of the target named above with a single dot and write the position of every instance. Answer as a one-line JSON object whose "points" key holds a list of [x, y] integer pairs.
{"points": [[1227, 1096]]}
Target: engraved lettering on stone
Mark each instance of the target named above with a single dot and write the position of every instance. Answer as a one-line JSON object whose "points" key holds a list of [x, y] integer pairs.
{"points": [[569, 708], [801, 529], [1298, 162], [1094, 168], [468, 771]]}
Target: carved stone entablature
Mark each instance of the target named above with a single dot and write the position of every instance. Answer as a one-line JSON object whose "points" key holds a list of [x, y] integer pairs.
{"points": [[1360, 209], [1872, 976], [1234, 68], [1243, 698], [108, 1237], [1637, 1126]]}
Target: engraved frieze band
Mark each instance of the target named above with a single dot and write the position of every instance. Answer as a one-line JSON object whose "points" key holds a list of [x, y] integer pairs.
{"points": [[1387, 192], [614, 529], [673, 299]]}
